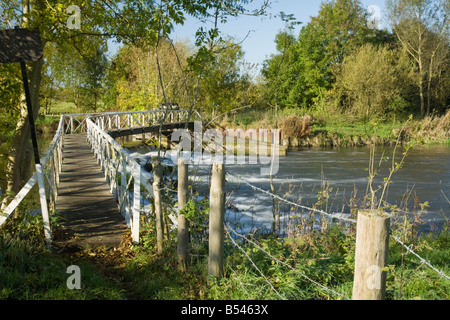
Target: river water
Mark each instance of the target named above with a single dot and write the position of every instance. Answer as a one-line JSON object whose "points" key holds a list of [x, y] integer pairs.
{"points": [[421, 188], [423, 179]]}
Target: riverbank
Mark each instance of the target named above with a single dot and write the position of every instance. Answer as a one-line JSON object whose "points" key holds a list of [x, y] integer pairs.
{"points": [[29, 272], [138, 273], [307, 131]]}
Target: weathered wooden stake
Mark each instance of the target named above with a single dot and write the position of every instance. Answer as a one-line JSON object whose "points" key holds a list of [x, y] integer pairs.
{"points": [[157, 177], [216, 220], [183, 224], [372, 243]]}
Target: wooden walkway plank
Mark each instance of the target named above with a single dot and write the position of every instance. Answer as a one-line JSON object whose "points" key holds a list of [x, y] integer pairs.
{"points": [[90, 212]]}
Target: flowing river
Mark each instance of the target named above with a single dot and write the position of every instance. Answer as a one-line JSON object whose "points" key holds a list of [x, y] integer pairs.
{"points": [[421, 188]]}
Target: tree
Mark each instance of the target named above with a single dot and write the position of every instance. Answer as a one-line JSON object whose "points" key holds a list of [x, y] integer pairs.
{"points": [[129, 21], [421, 26], [281, 69], [79, 72], [366, 82], [222, 81], [10, 88], [132, 80], [337, 31]]}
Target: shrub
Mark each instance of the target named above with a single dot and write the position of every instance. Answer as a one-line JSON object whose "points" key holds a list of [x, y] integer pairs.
{"points": [[294, 127]]}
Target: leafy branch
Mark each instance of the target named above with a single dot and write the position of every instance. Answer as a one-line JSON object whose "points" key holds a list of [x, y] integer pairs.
{"points": [[394, 168]]}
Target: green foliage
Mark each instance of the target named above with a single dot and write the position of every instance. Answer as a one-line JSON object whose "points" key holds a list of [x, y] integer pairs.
{"points": [[366, 83], [422, 30], [10, 88], [303, 69], [197, 213], [289, 264], [223, 85], [338, 61]]}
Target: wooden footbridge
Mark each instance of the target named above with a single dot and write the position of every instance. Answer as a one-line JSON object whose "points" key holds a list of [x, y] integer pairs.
{"points": [[87, 175]]}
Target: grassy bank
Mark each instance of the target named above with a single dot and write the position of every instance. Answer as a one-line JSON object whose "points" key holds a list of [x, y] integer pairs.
{"points": [[288, 264], [306, 128]]}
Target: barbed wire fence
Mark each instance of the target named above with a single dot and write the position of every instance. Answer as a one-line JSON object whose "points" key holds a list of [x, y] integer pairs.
{"points": [[230, 231], [233, 236], [337, 216]]}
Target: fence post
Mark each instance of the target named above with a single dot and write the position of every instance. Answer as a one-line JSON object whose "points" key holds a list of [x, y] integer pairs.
{"points": [[183, 224], [157, 176], [216, 220], [372, 243]]}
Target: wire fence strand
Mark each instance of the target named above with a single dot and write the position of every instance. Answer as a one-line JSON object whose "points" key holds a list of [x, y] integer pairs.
{"points": [[334, 215], [231, 230], [256, 267], [408, 248], [441, 273]]}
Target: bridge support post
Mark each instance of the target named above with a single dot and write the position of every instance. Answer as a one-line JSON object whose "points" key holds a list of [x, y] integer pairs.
{"points": [[183, 224], [372, 243], [216, 220], [44, 207], [136, 204]]}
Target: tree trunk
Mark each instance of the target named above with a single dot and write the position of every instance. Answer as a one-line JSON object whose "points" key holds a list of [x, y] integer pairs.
{"points": [[430, 79], [422, 99], [20, 155]]}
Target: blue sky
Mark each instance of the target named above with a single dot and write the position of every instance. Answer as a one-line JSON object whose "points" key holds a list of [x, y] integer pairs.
{"points": [[260, 43]]}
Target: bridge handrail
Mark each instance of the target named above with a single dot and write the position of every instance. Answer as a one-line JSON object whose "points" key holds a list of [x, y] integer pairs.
{"points": [[116, 161], [99, 118], [51, 166], [84, 122]]}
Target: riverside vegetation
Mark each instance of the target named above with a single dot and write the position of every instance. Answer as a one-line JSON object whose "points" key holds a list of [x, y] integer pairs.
{"points": [[301, 128], [304, 252], [324, 254], [29, 271], [336, 81]]}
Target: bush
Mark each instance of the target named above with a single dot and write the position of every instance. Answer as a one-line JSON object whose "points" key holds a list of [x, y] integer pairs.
{"points": [[294, 127]]}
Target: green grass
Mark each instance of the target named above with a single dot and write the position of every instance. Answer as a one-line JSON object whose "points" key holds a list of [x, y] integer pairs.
{"points": [[61, 107], [29, 272], [137, 272]]}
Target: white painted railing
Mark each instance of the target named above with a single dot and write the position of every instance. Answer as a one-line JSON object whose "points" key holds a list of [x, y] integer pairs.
{"points": [[121, 171], [47, 174], [109, 121]]}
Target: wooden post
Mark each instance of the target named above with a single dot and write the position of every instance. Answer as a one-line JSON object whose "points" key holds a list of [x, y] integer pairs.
{"points": [[372, 243], [183, 224], [157, 177], [216, 220]]}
